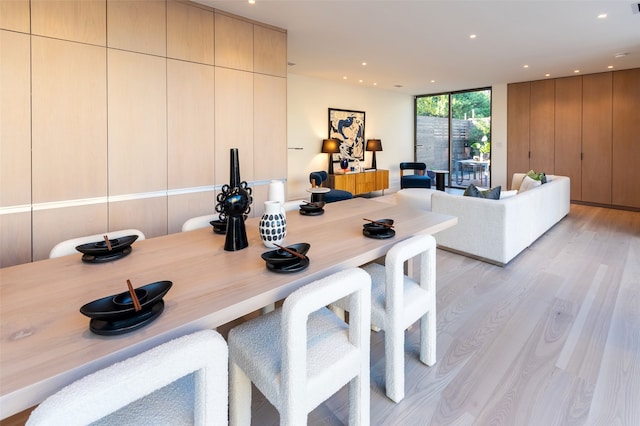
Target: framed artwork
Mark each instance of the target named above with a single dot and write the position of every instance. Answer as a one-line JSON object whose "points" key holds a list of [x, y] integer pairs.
{"points": [[348, 128]]}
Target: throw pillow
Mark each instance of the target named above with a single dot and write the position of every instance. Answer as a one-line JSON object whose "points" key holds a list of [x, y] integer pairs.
{"points": [[541, 176], [528, 183], [507, 194], [491, 194]]}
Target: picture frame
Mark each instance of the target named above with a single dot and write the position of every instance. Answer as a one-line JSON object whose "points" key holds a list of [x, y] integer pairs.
{"points": [[347, 127]]}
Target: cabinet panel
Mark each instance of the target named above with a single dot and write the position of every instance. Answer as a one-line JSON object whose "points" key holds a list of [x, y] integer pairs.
{"points": [[185, 206], [15, 120], [190, 119], [382, 179], [233, 43], [189, 32], [541, 130], [270, 127], [365, 182], [518, 100], [360, 183], [149, 215], [234, 122], [14, 15], [75, 20], [626, 146], [568, 132], [596, 138], [137, 123], [139, 26], [270, 51], [15, 244], [69, 142], [345, 182]]}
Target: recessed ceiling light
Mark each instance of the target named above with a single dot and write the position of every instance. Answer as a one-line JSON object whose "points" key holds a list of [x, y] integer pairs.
{"points": [[610, 67], [433, 81], [364, 64], [375, 84], [525, 66], [602, 16], [621, 54], [252, 1], [547, 75], [576, 71], [344, 78], [472, 36], [359, 81]]}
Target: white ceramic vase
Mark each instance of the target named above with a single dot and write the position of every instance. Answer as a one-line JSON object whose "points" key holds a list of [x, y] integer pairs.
{"points": [[273, 224], [276, 193]]}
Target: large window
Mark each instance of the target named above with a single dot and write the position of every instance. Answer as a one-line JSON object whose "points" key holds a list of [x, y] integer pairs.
{"points": [[453, 133]]}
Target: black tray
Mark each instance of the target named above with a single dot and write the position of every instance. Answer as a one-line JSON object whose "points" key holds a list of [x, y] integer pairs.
{"points": [[89, 258], [280, 256], [379, 236], [99, 248], [106, 309], [127, 324], [289, 268]]}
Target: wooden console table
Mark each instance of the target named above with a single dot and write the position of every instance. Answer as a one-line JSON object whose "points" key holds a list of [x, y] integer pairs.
{"points": [[360, 183]]}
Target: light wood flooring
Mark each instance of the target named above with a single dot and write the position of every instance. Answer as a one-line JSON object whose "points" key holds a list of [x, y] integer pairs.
{"points": [[553, 338]]}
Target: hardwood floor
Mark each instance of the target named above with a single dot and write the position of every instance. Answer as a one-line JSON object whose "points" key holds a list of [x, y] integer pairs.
{"points": [[553, 338]]}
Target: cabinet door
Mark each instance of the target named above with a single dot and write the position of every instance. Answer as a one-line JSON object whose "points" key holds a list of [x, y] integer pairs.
{"points": [[626, 149], [518, 128], [541, 130], [382, 179], [568, 132], [365, 182], [344, 182], [596, 138]]}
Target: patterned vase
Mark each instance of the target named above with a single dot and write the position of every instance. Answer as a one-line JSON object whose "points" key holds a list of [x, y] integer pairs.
{"points": [[273, 225]]}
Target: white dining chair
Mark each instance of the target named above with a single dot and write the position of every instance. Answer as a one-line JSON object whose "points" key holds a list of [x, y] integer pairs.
{"points": [[397, 301], [181, 382], [198, 222], [68, 247], [301, 354]]}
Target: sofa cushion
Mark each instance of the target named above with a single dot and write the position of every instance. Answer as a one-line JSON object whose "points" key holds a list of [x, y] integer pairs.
{"points": [[528, 183], [491, 194]]}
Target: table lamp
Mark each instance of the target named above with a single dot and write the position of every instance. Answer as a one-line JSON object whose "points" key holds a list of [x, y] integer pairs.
{"points": [[374, 145], [330, 146]]}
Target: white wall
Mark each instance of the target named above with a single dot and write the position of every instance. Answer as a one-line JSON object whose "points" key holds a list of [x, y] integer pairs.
{"points": [[389, 117]]}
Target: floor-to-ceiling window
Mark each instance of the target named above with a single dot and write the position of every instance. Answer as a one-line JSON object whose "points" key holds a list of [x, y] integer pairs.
{"points": [[453, 134]]}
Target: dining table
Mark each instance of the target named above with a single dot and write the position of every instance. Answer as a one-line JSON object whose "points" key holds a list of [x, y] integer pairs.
{"points": [[46, 343]]}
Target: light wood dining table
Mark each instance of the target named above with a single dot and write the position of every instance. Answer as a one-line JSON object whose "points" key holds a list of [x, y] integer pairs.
{"points": [[46, 343]]}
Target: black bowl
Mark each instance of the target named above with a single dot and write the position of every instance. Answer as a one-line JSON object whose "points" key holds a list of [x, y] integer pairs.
{"points": [[106, 308], [312, 207], [99, 248], [377, 228], [124, 299], [219, 226], [282, 256]]}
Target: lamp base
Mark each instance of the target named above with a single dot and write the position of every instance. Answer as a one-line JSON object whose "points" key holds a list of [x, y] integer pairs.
{"points": [[373, 161]]}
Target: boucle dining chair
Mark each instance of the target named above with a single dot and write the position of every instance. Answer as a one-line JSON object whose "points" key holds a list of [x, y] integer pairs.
{"points": [[398, 301], [68, 247], [181, 382], [198, 222], [301, 354]]}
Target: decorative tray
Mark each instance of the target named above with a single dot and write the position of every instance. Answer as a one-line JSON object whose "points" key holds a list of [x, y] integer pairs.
{"points": [[379, 229], [284, 262]]}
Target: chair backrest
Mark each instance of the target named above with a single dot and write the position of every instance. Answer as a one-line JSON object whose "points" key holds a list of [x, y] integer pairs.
{"points": [[412, 166], [318, 177], [198, 222], [201, 357], [68, 247], [352, 283], [423, 246]]}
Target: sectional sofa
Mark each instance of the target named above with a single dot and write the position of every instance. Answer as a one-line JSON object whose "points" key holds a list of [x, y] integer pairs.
{"points": [[495, 230]]}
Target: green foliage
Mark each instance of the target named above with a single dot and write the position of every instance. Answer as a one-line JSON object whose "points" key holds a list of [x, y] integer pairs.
{"points": [[463, 105]]}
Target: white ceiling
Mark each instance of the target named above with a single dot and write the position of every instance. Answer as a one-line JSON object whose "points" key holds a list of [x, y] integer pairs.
{"points": [[411, 43]]}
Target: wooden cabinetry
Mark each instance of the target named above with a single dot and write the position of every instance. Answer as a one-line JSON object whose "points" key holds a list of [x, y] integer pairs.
{"points": [[582, 127], [360, 183]]}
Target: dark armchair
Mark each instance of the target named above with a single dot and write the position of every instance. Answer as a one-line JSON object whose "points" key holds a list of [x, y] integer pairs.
{"points": [[317, 179], [419, 178]]}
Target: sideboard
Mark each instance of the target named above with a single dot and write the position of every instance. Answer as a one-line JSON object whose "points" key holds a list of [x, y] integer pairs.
{"points": [[360, 183]]}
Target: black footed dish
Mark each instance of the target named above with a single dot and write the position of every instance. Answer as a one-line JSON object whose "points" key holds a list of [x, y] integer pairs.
{"points": [[312, 209], [98, 252], [116, 314], [380, 229], [282, 261]]}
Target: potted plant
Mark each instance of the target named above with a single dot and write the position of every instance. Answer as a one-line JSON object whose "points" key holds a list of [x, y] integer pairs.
{"points": [[483, 148]]}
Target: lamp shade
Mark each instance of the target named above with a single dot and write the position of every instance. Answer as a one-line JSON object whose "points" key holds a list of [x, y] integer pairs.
{"points": [[330, 146], [374, 145]]}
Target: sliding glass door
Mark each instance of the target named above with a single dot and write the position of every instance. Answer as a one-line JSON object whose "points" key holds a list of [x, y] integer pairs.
{"points": [[453, 135]]}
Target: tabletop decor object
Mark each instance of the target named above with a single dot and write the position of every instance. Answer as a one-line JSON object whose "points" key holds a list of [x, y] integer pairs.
{"points": [[234, 202], [273, 224], [106, 250], [119, 314], [314, 208], [378, 229], [289, 259]]}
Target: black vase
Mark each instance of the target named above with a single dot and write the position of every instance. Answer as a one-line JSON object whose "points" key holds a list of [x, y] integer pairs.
{"points": [[234, 203]]}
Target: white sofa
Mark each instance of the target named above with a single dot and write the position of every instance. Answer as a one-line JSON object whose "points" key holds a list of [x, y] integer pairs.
{"points": [[496, 230]]}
